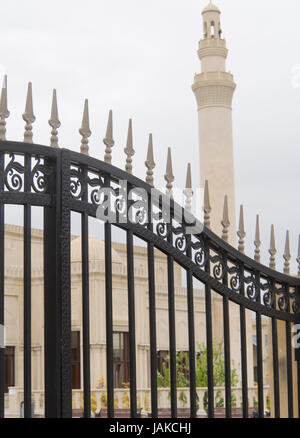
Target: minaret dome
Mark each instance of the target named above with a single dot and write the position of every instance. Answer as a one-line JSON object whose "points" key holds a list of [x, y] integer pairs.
{"points": [[211, 21]]}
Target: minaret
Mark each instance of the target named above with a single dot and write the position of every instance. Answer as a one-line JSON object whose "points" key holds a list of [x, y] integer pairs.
{"points": [[214, 89]]}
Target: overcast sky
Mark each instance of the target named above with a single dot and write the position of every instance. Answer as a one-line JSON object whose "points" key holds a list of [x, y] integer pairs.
{"points": [[139, 59]]}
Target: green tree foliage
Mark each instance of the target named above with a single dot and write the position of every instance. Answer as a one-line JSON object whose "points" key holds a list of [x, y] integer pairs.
{"points": [[182, 368], [182, 372], [218, 367]]}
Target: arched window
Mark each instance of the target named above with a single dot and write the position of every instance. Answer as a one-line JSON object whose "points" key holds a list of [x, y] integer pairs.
{"points": [[212, 29]]}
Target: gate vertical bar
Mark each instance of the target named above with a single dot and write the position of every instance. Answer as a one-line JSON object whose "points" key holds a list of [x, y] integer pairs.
{"points": [[275, 368], [86, 317], [260, 376], [2, 382], [27, 292], [191, 330], [226, 345], [243, 346], [275, 358], [86, 303], [131, 319], [52, 298], [289, 370], [289, 360], [152, 317], [109, 315], [66, 325], [172, 330], [209, 341]]}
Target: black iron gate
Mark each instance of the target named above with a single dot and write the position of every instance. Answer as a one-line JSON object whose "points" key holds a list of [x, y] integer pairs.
{"points": [[62, 182]]}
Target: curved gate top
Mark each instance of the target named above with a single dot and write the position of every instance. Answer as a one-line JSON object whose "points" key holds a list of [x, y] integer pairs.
{"points": [[62, 182]]}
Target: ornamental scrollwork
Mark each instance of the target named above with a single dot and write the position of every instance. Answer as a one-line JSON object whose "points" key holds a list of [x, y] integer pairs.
{"points": [[162, 230], [283, 299], [39, 176], [141, 215], [76, 183], [295, 300], [200, 253], [219, 268], [268, 294], [252, 288], [13, 179], [203, 250], [235, 278], [180, 241], [120, 205], [95, 193]]}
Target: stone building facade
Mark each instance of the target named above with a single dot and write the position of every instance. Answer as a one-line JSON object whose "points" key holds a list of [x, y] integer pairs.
{"points": [[14, 320]]}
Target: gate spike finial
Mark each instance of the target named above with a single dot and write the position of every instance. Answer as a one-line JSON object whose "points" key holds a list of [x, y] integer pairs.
{"points": [[28, 116], [206, 207], [272, 249], [257, 241], [149, 163], [188, 191], [169, 177], [54, 122], [298, 258], [241, 231], [109, 140], [225, 221], [4, 113], [85, 131], [129, 151], [287, 254]]}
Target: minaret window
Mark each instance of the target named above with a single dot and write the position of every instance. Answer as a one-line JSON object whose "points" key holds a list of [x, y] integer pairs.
{"points": [[212, 29]]}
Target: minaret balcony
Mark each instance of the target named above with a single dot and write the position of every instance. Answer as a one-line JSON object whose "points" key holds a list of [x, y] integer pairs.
{"points": [[212, 42], [213, 89], [211, 77]]}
